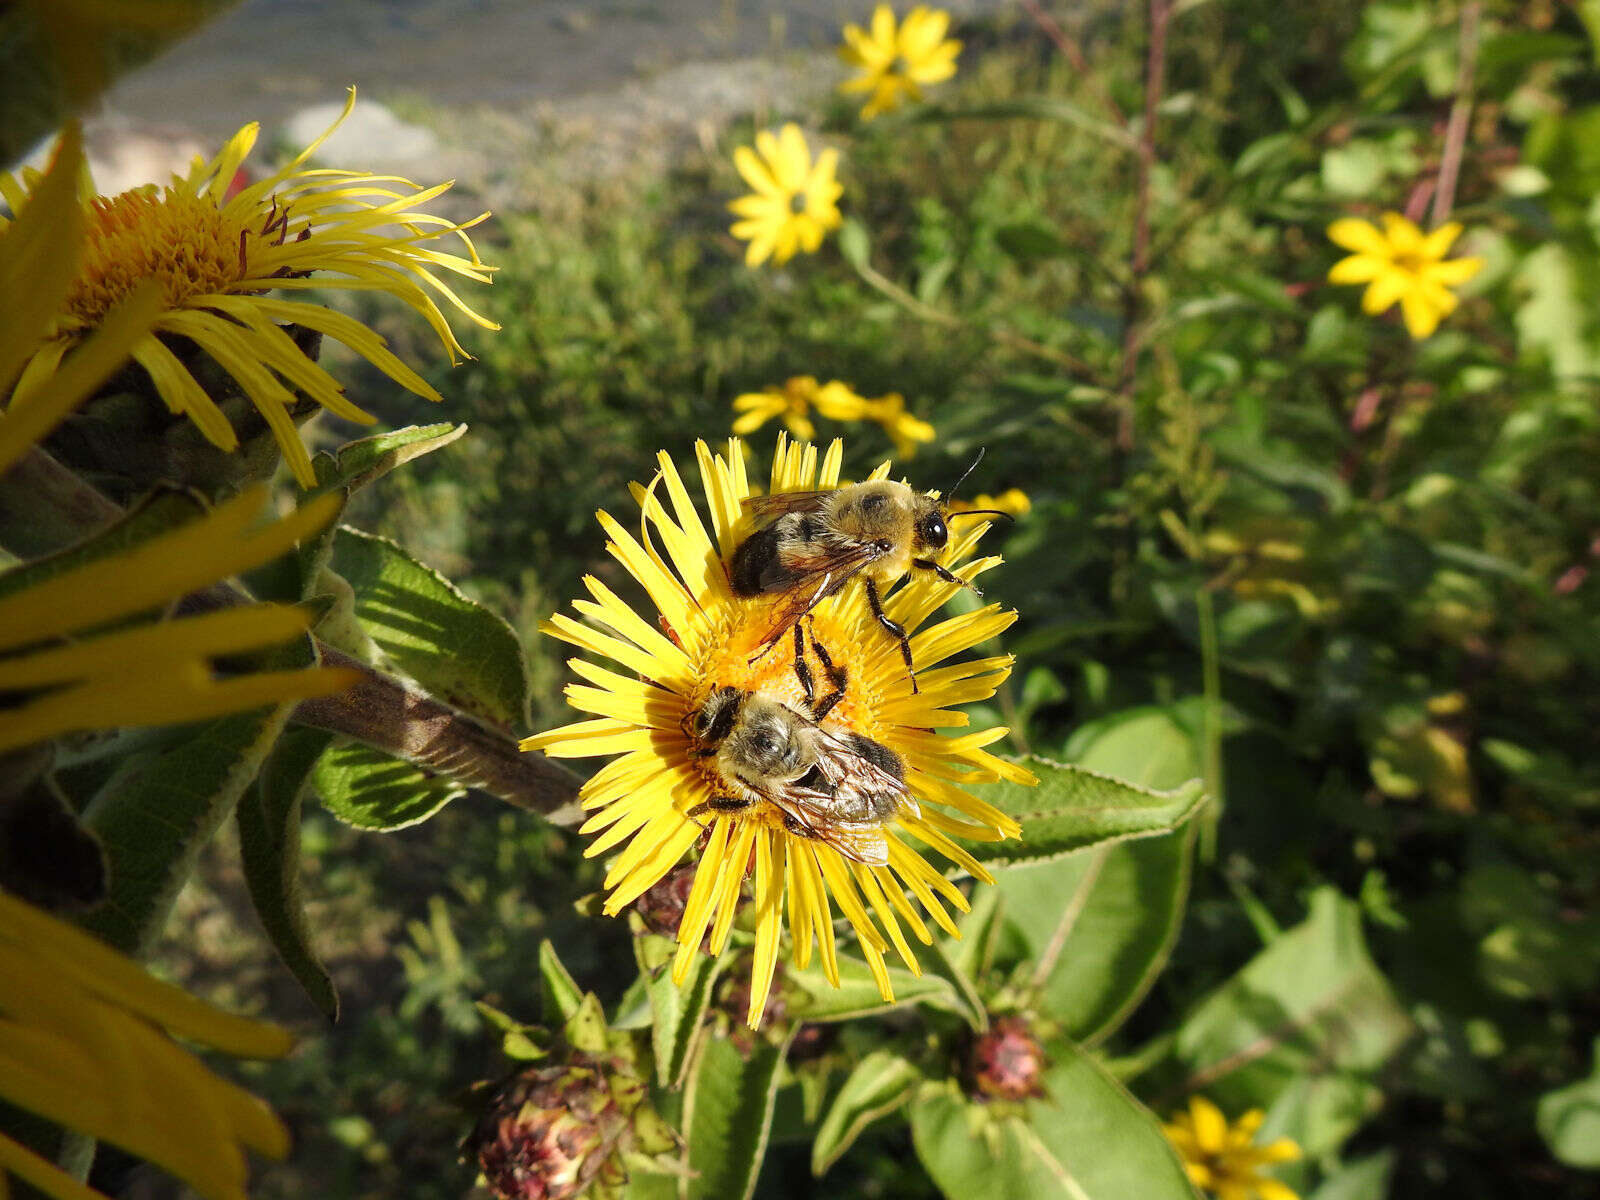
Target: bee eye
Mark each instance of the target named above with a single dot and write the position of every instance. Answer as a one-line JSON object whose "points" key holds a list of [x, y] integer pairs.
{"points": [[934, 532]]}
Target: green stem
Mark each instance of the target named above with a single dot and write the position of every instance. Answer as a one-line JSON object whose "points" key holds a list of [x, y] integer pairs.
{"points": [[1211, 736]]}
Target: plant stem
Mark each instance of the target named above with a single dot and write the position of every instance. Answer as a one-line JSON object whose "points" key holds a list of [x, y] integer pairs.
{"points": [[1073, 53], [1211, 733], [1455, 135]]}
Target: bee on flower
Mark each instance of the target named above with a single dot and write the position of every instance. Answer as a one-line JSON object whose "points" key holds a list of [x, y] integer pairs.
{"points": [[1402, 265], [719, 746], [217, 258], [897, 60], [794, 203]]}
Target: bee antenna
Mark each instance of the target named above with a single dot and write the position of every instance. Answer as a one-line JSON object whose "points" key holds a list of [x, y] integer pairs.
{"points": [[951, 495], [987, 512]]}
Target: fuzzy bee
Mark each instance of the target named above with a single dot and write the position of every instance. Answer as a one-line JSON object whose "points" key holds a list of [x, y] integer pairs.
{"points": [[838, 788], [815, 542]]}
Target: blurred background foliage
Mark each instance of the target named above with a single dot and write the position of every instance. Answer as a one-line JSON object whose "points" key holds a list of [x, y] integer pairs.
{"points": [[1391, 939]]}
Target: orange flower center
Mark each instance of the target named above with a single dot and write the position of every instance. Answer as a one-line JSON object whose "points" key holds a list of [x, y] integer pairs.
{"points": [[185, 242]]}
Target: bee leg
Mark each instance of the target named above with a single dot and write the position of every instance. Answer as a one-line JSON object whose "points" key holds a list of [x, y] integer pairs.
{"points": [[839, 677], [721, 804], [896, 631], [802, 669], [942, 573]]}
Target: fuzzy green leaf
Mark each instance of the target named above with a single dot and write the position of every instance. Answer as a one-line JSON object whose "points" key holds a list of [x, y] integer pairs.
{"points": [[560, 994], [813, 998], [269, 849], [1085, 1139], [370, 790], [880, 1083], [358, 463], [677, 1014], [1073, 809], [458, 650], [727, 1115]]}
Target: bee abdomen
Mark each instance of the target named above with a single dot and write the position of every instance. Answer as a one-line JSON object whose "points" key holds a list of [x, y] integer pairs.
{"points": [[755, 567], [879, 755]]}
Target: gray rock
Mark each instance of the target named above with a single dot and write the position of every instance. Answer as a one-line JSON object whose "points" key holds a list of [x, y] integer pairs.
{"points": [[371, 139]]}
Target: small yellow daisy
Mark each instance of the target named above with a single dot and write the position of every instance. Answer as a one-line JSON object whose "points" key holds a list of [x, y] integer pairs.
{"points": [[1013, 502], [906, 431], [216, 257], [795, 202], [1401, 264], [1223, 1159], [703, 640], [794, 402], [896, 61]]}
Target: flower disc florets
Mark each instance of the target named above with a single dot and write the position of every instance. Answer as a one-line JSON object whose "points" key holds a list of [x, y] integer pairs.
{"points": [[1007, 1063], [549, 1131], [703, 638]]}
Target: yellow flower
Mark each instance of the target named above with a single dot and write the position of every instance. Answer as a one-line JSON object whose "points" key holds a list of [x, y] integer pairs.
{"points": [[215, 259], [86, 1041], [1224, 1159], [1402, 264], [794, 204], [704, 640], [1013, 502], [895, 63], [60, 667], [903, 429], [794, 402]]}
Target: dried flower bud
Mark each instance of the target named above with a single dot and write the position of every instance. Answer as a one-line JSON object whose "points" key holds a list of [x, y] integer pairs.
{"points": [[1007, 1063], [663, 903], [549, 1131]]}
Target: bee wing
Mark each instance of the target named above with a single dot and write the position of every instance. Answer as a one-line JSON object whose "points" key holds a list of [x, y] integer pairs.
{"points": [[816, 572], [861, 842], [767, 508], [853, 775]]}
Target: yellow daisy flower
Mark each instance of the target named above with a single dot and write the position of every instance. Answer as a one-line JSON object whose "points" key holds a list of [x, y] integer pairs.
{"points": [[703, 640], [896, 61], [1402, 264], [1013, 502], [794, 402], [86, 1041], [215, 258], [795, 202], [1224, 1159], [905, 430]]}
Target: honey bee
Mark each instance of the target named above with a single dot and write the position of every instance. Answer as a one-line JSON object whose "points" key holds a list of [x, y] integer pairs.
{"points": [[838, 788], [816, 542]]}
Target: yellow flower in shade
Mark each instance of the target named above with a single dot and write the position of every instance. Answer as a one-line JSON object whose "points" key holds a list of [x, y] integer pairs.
{"points": [[906, 431], [215, 258], [1013, 502], [794, 402], [795, 202], [1400, 264], [703, 640], [1224, 1159], [896, 61], [86, 1041]]}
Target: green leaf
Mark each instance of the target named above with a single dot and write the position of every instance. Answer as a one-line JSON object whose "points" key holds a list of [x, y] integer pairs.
{"points": [[1301, 1029], [560, 995], [1029, 241], [727, 1115], [854, 243], [370, 790], [880, 1083], [458, 650], [677, 1015], [269, 850], [161, 807], [1098, 927], [1569, 1119], [358, 463], [1364, 1179], [1041, 108], [813, 998], [1086, 1139], [944, 960], [1073, 808]]}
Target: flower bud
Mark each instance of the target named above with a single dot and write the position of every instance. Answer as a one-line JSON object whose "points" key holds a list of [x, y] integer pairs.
{"points": [[661, 907], [1007, 1063], [549, 1131]]}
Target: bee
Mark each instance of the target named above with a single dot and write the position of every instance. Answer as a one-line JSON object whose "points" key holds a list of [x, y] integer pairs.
{"points": [[816, 542], [838, 788]]}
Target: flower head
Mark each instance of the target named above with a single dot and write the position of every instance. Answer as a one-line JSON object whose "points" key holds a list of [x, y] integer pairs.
{"points": [[551, 1130], [87, 1043], [1007, 1062], [1013, 502], [1223, 1159], [214, 257], [795, 202], [896, 61], [794, 401], [1402, 264], [704, 639], [905, 430]]}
